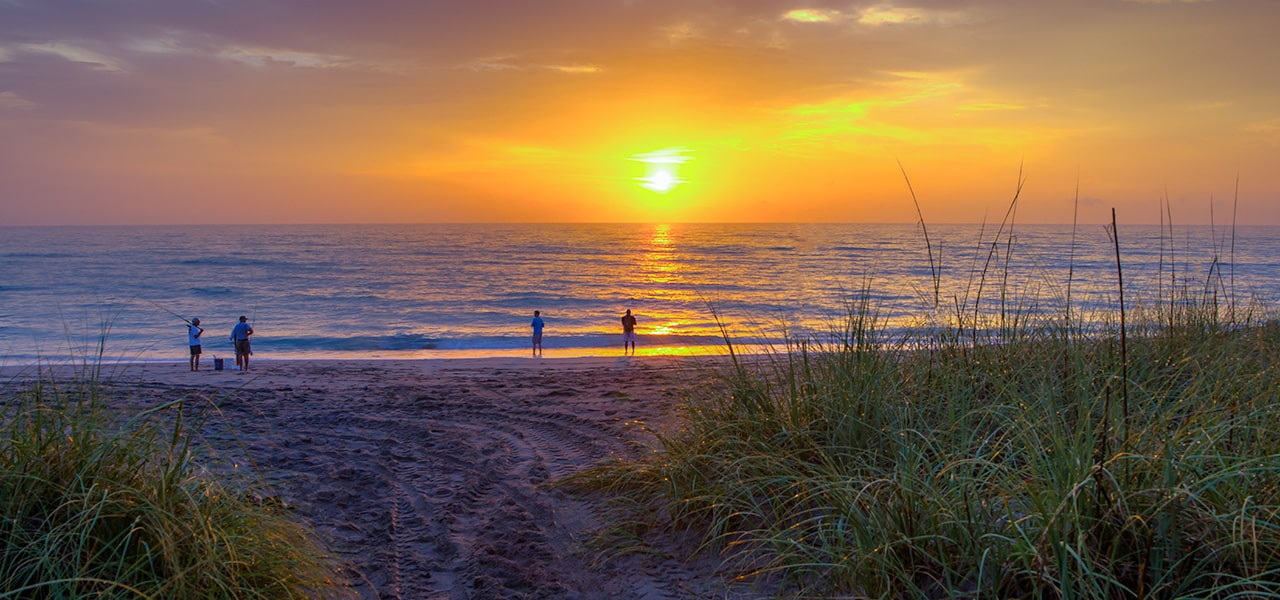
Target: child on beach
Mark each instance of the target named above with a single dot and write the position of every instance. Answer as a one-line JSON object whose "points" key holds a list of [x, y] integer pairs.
{"points": [[537, 326]]}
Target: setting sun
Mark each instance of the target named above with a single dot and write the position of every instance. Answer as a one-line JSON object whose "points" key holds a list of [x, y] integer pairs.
{"points": [[661, 180], [662, 168]]}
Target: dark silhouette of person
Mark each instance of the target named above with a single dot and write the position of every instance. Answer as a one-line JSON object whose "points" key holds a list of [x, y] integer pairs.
{"points": [[628, 332]]}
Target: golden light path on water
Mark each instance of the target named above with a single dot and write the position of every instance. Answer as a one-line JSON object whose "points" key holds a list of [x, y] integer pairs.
{"points": [[659, 275], [662, 271]]}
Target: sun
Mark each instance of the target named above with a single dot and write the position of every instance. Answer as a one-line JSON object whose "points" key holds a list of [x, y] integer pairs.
{"points": [[660, 180], [662, 168]]}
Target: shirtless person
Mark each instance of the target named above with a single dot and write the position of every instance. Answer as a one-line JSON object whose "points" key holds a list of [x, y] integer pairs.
{"points": [[628, 333]]}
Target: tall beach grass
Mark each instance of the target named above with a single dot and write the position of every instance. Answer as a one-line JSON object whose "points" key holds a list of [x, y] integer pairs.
{"points": [[993, 452], [96, 504]]}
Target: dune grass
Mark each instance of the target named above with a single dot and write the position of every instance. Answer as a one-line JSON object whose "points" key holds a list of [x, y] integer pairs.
{"points": [[1000, 454], [98, 505]]}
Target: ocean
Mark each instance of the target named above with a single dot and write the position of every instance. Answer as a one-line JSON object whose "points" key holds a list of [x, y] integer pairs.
{"points": [[469, 290]]}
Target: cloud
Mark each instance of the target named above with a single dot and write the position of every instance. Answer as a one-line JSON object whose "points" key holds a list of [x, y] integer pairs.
{"points": [[1268, 129], [989, 106], [808, 15], [515, 63], [492, 63], [71, 53], [177, 44], [884, 14], [890, 16], [681, 32], [258, 56], [576, 69], [12, 101]]}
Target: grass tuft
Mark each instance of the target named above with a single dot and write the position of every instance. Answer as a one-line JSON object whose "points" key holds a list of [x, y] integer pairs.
{"points": [[96, 506], [1044, 461]]}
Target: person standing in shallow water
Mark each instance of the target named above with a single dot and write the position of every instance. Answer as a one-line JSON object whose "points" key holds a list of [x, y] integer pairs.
{"points": [[537, 326], [628, 332], [240, 337], [193, 341]]}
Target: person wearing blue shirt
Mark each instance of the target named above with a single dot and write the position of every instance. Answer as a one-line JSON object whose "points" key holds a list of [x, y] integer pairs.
{"points": [[537, 332], [240, 337]]}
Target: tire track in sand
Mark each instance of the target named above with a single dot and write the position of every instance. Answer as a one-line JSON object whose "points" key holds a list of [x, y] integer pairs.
{"points": [[436, 487]]}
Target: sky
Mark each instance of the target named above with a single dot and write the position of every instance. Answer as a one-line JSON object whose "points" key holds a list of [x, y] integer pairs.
{"points": [[391, 111]]}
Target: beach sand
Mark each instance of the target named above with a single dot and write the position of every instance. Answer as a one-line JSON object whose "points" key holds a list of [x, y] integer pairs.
{"points": [[430, 477]]}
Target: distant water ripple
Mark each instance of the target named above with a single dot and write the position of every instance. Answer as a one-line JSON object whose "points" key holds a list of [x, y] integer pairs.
{"points": [[401, 291]]}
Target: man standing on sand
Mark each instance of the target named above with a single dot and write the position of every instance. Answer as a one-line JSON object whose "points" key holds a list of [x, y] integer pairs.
{"points": [[628, 333], [537, 332], [193, 341], [240, 337]]}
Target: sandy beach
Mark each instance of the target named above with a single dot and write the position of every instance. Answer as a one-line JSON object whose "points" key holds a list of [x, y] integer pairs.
{"points": [[430, 477]]}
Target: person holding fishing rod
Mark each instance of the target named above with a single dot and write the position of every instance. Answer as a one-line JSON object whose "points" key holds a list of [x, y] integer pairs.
{"points": [[193, 340], [240, 337]]}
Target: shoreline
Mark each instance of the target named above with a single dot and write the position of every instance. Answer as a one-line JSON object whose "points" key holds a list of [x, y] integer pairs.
{"points": [[178, 372], [268, 356]]}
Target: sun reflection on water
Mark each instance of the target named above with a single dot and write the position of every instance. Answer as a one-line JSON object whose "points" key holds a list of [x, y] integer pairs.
{"points": [[669, 328], [659, 261], [662, 268]]}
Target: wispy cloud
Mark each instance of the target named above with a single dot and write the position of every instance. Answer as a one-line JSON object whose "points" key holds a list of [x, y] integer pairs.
{"points": [[1269, 126], [989, 106], [576, 69], [680, 32], [886, 14], [514, 63], [70, 52], [257, 56], [260, 56], [809, 15], [12, 101], [491, 63]]}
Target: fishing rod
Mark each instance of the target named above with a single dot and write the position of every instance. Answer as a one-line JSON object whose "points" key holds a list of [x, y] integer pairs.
{"points": [[161, 307]]}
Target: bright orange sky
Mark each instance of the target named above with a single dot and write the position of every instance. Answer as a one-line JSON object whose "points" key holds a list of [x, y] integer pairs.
{"points": [[285, 111]]}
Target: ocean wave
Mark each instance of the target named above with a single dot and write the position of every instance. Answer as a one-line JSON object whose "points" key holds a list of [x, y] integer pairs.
{"points": [[212, 291], [37, 255], [232, 261]]}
